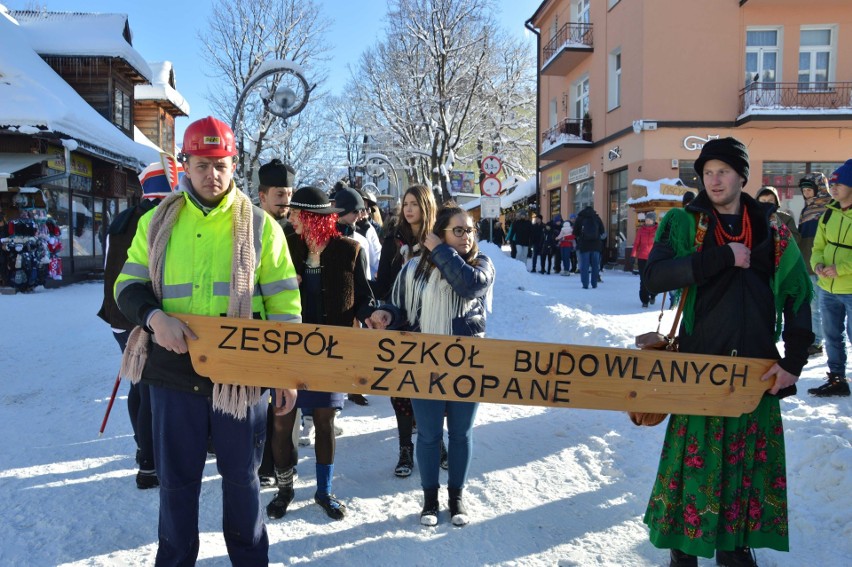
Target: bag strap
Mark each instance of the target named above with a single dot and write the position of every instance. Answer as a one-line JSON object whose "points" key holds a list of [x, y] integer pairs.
{"points": [[680, 306]]}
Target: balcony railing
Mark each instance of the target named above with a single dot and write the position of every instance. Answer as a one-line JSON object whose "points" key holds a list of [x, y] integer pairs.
{"points": [[567, 131], [579, 35], [789, 98]]}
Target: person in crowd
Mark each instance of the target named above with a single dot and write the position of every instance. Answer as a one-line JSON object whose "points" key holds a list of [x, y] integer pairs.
{"points": [[721, 482], [498, 235], [831, 259], [814, 188], [510, 237], [521, 236], [565, 241], [401, 245], [155, 187], [539, 240], [575, 264], [555, 225], [687, 198], [274, 191], [368, 227], [588, 234], [642, 245], [444, 291], [204, 238], [769, 194], [334, 290], [484, 230]]}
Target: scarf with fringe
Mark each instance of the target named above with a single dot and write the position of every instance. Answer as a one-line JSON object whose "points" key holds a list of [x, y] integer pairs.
{"points": [[686, 236], [432, 290], [231, 399]]}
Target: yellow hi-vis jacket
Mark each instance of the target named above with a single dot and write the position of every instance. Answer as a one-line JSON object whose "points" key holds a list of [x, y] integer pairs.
{"points": [[196, 279]]}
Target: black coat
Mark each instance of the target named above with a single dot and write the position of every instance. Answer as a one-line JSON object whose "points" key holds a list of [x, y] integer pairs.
{"points": [[589, 231], [734, 307]]}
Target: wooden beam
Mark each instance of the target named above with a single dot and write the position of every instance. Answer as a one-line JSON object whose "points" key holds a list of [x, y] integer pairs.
{"points": [[417, 365]]}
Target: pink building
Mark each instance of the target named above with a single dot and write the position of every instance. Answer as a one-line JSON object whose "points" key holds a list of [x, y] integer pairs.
{"points": [[630, 90]]}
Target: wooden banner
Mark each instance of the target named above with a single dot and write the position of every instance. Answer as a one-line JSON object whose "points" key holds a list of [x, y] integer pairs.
{"points": [[417, 365]]}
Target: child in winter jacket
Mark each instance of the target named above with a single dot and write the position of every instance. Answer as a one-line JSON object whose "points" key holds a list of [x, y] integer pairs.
{"points": [[641, 248]]}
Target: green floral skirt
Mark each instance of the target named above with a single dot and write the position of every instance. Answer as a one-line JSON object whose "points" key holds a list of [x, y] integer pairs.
{"points": [[721, 483]]}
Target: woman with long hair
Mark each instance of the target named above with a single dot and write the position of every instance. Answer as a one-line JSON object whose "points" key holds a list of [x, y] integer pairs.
{"points": [[333, 284], [444, 291], [404, 242]]}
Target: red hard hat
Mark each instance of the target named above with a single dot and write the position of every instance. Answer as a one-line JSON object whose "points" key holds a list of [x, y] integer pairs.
{"points": [[209, 137]]}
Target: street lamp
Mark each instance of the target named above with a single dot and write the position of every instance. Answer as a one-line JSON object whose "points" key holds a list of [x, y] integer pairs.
{"points": [[284, 101], [374, 166]]}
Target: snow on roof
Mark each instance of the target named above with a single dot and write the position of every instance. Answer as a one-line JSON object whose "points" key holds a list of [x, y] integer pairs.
{"points": [[655, 190], [162, 87], [36, 99], [81, 34], [521, 189]]}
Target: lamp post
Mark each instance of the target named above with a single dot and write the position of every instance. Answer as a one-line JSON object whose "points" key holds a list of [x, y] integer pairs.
{"points": [[284, 101], [375, 166]]}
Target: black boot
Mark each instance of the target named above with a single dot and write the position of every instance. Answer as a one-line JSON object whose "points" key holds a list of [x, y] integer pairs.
{"points": [[406, 461], [429, 514], [458, 512], [739, 557], [835, 386], [278, 507], [681, 559]]}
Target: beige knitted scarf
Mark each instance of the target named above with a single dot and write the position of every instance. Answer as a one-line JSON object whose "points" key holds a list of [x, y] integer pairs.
{"points": [[228, 398]]}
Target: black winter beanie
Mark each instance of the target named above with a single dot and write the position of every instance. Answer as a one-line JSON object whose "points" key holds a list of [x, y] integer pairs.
{"points": [[729, 150]]}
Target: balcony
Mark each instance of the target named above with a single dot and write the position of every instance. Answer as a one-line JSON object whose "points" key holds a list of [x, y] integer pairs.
{"points": [[572, 43], [801, 100], [567, 139]]}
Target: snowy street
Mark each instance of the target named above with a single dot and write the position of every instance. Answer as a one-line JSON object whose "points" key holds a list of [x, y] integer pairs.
{"points": [[547, 486]]}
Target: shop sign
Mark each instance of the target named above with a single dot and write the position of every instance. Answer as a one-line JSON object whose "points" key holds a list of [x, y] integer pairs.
{"points": [[79, 165], [579, 173], [695, 143], [553, 179]]}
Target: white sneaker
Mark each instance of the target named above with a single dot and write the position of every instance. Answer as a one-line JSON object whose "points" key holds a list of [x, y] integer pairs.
{"points": [[307, 435]]}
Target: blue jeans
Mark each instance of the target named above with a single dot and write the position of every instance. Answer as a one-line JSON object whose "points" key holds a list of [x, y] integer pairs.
{"points": [[182, 424], [430, 426], [589, 260], [522, 254], [836, 317], [816, 318]]}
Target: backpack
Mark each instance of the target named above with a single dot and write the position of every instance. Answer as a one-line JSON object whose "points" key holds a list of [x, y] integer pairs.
{"points": [[589, 230]]}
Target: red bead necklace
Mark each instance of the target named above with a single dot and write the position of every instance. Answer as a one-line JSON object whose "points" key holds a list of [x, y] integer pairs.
{"points": [[722, 236]]}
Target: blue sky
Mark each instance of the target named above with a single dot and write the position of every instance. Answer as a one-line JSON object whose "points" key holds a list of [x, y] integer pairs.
{"points": [[163, 33]]}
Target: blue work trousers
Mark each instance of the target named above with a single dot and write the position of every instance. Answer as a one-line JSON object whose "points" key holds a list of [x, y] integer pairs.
{"points": [[589, 262], [836, 311], [182, 424], [429, 415]]}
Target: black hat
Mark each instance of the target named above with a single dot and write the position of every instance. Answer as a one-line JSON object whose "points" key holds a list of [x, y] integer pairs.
{"points": [[276, 174], [729, 150], [312, 200], [348, 200]]}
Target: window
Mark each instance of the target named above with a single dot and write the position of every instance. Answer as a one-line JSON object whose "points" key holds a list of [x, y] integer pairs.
{"points": [[612, 3], [763, 54], [583, 11], [121, 109], [580, 92], [617, 222], [614, 95], [553, 110], [686, 173], [555, 202], [584, 195], [816, 47]]}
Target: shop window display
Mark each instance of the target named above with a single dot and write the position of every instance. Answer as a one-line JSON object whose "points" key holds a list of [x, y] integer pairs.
{"points": [[30, 240]]}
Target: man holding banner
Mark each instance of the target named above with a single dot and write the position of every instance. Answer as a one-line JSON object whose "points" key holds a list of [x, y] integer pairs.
{"points": [[721, 483]]}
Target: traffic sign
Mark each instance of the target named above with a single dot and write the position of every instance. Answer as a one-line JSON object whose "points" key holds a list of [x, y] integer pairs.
{"points": [[489, 207], [491, 186], [491, 165]]}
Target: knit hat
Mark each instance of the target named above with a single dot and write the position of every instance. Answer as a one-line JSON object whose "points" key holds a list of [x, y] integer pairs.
{"points": [[155, 179], [348, 200], [651, 215], [312, 200], [729, 150], [842, 174], [815, 181], [276, 174]]}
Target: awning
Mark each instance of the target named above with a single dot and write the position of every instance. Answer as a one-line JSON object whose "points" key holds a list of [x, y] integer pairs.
{"points": [[10, 163]]}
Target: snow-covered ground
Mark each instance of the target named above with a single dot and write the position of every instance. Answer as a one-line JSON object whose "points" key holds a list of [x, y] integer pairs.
{"points": [[547, 486]]}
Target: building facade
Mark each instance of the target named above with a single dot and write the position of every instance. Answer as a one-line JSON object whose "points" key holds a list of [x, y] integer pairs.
{"points": [[631, 90]]}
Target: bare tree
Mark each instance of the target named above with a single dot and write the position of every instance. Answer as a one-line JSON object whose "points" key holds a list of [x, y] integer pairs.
{"points": [[439, 82], [239, 37]]}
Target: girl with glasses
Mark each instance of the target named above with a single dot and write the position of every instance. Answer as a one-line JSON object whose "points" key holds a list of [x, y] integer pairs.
{"points": [[444, 291]]}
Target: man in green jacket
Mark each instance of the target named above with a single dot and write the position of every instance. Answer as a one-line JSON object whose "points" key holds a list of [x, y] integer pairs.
{"points": [[831, 260]]}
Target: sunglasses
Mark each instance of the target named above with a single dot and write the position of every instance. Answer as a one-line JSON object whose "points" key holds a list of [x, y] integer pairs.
{"points": [[462, 230]]}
